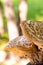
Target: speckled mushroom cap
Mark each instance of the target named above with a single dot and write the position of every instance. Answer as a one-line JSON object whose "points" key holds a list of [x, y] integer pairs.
{"points": [[25, 49], [33, 31], [20, 46]]}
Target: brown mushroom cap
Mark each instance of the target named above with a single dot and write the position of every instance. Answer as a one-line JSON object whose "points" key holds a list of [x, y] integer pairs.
{"points": [[33, 31], [21, 46], [25, 49]]}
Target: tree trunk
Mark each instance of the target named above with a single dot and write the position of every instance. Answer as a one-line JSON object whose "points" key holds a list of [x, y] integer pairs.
{"points": [[23, 10], [11, 22], [1, 22], [23, 7]]}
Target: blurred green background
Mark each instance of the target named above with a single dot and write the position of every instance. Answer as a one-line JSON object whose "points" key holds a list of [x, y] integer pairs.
{"points": [[35, 12], [35, 9]]}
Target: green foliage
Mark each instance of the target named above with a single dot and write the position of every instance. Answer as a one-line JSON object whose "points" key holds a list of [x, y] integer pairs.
{"points": [[5, 35], [16, 5], [35, 9]]}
